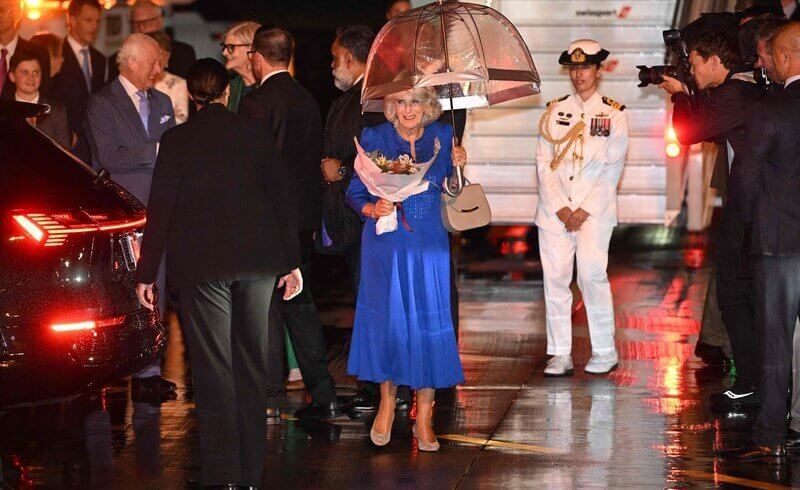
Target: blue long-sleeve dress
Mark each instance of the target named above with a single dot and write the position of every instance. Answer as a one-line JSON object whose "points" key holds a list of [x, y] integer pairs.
{"points": [[403, 329]]}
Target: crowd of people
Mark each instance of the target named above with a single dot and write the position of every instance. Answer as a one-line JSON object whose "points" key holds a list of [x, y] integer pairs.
{"points": [[243, 182], [752, 306]]}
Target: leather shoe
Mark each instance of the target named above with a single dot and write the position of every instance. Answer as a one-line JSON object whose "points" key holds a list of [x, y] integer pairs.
{"points": [[319, 411], [153, 383], [364, 400], [766, 454], [273, 416]]}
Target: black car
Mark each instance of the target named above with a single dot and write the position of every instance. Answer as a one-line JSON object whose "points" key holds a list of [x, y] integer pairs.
{"points": [[69, 317]]}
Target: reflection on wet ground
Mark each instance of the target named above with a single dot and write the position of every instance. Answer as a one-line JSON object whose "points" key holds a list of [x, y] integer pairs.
{"points": [[647, 425]]}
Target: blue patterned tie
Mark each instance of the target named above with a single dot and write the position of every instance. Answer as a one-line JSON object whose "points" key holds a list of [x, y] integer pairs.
{"points": [[144, 109], [87, 72]]}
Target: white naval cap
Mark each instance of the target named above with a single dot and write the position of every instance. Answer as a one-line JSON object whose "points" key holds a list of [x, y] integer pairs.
{"points": [[583, 52]]}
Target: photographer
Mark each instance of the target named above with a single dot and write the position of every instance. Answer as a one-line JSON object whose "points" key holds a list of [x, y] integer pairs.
{"points": [[718, 114]]}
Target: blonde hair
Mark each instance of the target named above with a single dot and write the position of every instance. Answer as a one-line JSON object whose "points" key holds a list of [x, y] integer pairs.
{"points": [[244, 32], [431, 108]]}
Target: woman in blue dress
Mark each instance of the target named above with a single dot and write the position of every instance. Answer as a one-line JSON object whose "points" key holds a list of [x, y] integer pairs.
{"points": [[403, 332]]}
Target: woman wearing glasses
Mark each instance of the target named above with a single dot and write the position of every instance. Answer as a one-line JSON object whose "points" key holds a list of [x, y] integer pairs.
{"points": [[235, 44]]}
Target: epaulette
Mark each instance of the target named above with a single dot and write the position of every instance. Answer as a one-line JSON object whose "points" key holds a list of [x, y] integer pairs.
{"points": [[555, 101], [613, 103]]}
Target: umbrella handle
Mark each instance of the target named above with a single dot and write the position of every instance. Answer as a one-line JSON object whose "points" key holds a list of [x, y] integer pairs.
{"points": [[459, 185]]}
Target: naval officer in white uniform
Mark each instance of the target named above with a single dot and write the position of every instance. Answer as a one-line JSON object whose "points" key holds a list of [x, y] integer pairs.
{"points": [[583, 140]]}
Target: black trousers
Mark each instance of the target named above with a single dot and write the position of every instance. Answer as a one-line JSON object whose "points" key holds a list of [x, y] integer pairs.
{"points": [[735, 296], [777, 289], [301, 319], [226, 331]]}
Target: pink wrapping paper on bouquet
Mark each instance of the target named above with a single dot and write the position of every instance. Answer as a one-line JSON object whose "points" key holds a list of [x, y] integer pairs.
{"points": [[383, 180]]}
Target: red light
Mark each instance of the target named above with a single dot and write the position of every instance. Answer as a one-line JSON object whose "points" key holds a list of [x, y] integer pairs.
{"points": [[53, 229], [73, 327], [87, 324], [30, 227]]}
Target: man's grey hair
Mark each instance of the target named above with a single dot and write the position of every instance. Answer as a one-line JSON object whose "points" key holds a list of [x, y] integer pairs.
{"points": [[148, 5], [132, 47]]}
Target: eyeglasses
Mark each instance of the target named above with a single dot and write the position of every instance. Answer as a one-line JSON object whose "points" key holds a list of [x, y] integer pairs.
{"points": [[230, 48]]}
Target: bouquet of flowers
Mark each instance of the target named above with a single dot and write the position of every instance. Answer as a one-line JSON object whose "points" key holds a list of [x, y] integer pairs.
{"points": [[393, 180]]}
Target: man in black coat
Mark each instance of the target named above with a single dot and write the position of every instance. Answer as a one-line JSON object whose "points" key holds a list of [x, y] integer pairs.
{"points": [[719, 115], [10, 42], [293, 120], [765, 182], [227, 235], [147, 17], [83, 72]]}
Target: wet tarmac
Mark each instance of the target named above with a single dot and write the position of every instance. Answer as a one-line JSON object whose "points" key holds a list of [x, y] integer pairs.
{"points": [[647, 425]]}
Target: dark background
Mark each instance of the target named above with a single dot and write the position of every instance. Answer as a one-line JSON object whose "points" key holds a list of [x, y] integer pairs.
{"points": [[313, 24]]}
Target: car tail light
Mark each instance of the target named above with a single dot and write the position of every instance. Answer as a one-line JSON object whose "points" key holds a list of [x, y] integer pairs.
{"points": [[52, 230], [87, 324], [673, 148]]}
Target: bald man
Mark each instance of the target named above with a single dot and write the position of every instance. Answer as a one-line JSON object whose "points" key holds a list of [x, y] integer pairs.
{"points": [[766, 178], [146, 17], [125, 121]]}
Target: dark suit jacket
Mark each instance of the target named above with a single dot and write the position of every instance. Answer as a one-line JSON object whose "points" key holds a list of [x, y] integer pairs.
{"points": [[766, 177], [54, 123], [118, 139], [180, 60], [220, 204], [293, 121], [717, 116], [69, 88], [44, 59]]}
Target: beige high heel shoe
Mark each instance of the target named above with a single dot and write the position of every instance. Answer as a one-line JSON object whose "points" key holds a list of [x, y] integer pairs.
{"points": [[428, 447], [379, 439]]}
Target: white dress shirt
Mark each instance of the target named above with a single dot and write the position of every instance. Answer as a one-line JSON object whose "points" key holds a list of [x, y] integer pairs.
{"points": [[10, 49], [76, 49], [131, 90], [266, 77], [34, 100]]}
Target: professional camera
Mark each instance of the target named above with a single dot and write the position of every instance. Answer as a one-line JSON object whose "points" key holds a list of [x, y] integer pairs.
{"points": [[682, 70]]}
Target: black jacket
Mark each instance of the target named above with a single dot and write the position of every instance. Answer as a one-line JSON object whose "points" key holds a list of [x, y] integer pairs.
{"points": [[717, 116], [219, 204], [44, 59], [766, 177], [181, 59], [54, 123], [293, 122]]}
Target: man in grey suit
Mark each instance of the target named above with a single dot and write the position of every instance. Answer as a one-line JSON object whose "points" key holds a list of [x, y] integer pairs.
{"points": [[125, 121]]}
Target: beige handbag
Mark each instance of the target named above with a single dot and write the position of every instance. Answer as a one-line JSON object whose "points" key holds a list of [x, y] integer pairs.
{"points": [[464, 207]]}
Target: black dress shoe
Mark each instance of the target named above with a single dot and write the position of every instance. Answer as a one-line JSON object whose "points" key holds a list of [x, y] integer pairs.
{"points": [[401, 405], [273, 416], [364, 400], [319, 411], [153, 383], [766, 454]]}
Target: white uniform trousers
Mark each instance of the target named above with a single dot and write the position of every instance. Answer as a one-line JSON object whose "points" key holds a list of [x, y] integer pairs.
{"points": [[558, 252]]}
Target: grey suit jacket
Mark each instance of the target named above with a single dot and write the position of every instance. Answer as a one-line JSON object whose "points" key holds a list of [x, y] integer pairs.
{"points": [[118, 139]]}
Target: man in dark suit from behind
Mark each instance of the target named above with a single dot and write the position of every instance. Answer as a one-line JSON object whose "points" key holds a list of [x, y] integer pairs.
{"points": [[26, 73], [293, 119], [83, 72], [147, 17], [10, 42], [765, 182], [125, 121]]}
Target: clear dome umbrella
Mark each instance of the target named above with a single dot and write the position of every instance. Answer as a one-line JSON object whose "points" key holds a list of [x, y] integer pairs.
{"points": [[471, 54]]}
